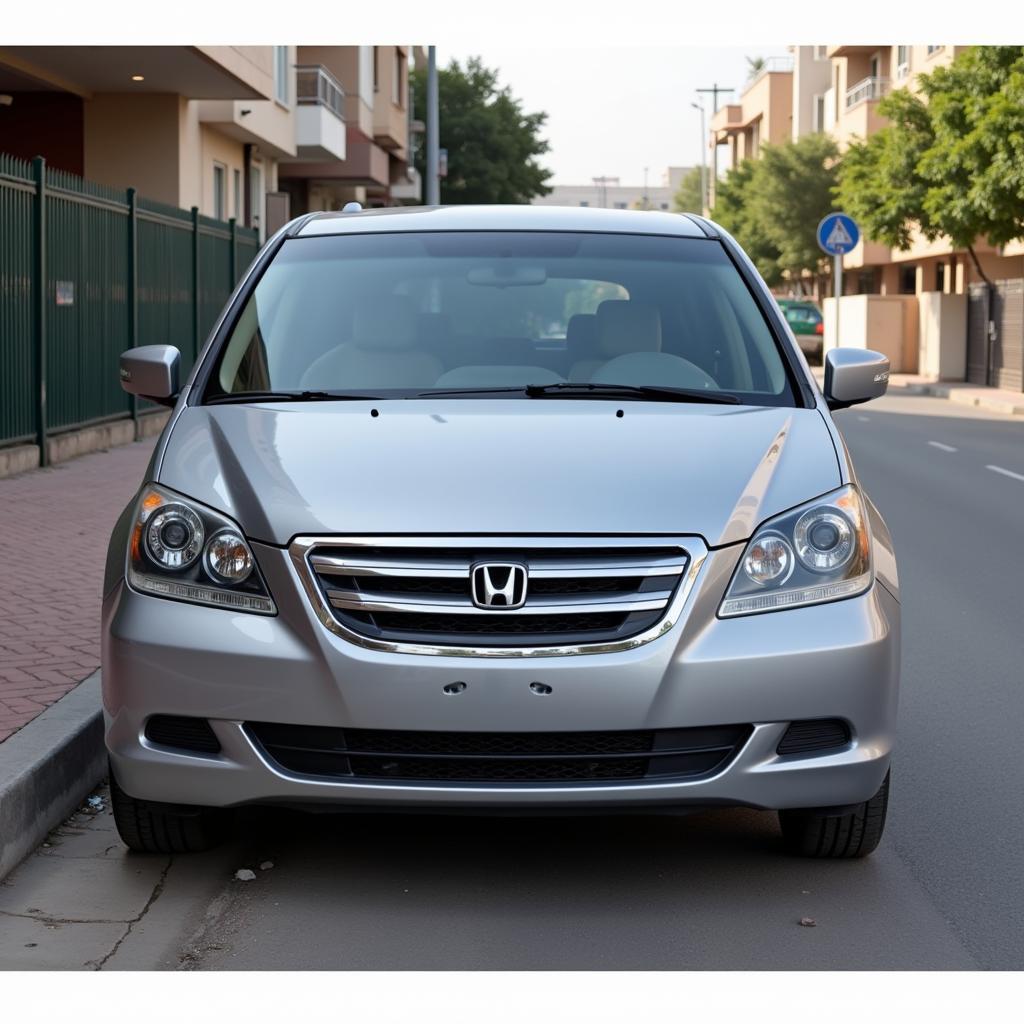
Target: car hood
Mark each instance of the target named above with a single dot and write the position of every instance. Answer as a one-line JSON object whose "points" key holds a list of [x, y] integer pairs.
{"points": [[499, 466]]}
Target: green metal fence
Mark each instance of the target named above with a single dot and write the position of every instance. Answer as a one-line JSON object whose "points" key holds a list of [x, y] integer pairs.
{"points": [[87, 271]]}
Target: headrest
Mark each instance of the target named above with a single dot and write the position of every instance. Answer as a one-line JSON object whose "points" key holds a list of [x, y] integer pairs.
{"points": [[387, 322], [581, 333], [624, 326]]}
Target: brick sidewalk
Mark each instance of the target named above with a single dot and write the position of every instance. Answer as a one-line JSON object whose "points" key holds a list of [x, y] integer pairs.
{"points": [[54, 528]]}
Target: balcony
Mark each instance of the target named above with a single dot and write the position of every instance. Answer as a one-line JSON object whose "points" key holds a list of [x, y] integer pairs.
{"points": [[866, 89], [319, 116]]}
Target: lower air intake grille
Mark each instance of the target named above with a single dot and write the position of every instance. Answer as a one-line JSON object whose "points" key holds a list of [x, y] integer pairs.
{"points": [[498, 757], [183, 733], [814, 734]]}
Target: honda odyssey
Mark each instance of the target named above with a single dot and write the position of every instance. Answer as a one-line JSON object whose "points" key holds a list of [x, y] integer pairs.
{"points": [[502, 509]]}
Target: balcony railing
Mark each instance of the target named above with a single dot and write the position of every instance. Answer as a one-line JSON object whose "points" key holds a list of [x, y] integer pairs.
{"points": [[772, 65], [315, 84], [866, 89]]}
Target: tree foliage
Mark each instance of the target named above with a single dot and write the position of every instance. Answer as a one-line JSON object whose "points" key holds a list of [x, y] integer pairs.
{"points": [[688, 197], [949, 163], [492, 144], [773, 205]]}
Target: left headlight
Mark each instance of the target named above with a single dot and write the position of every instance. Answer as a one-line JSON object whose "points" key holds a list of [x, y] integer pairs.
{"points": [[185, 551], [818, 552]]}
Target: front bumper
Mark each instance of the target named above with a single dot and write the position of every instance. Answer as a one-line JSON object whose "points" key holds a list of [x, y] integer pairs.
{"points": [[838, 660]]}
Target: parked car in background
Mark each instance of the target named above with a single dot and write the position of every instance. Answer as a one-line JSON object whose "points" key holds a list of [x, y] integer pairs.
{"points": [[503, 509], [806, 322]]}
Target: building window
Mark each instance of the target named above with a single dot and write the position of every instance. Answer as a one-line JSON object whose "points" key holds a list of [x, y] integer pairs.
{"points": [[934, 49], [940, 277], [398, 81], [281, 74], [908, 280], [902, 61], [376, 69], [818, 115], [820, 53], [220, 177], [237, 190]]}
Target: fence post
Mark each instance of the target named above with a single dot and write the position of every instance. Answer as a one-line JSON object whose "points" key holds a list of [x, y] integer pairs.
{"points": [[40, 290], [195, 284], [233, 265], [133, 291]]}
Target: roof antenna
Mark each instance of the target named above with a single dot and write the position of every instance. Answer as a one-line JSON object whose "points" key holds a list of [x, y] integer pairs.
{"points": [[352, 208]]}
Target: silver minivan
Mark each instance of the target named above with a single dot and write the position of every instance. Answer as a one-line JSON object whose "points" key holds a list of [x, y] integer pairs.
{"points": [[503, 509]]}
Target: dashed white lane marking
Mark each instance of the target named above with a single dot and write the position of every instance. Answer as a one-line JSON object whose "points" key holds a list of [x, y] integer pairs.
{"points": [[1007, 472], [941, 446]]}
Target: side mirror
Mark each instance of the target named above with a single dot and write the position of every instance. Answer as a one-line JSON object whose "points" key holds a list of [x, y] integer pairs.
{"points": [[151, 371], [854, 375]]}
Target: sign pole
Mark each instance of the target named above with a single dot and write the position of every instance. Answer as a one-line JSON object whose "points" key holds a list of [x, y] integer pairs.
{"points": [[837, 287]]}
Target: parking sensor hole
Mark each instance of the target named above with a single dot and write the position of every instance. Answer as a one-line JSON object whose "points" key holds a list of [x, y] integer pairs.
{"points": [[375, 412], [456, 687], [540, 688]]}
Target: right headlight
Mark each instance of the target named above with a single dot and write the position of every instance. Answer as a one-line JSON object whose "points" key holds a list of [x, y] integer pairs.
{"points": [[818, 552], [185, 551]]}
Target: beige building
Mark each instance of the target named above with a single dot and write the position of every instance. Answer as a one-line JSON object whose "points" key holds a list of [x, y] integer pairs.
{"points": [[763, 114], [237, 131]]}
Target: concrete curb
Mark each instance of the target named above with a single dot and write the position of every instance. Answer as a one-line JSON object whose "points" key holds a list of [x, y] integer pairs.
{"points": [[47, 768], [994, 403]]}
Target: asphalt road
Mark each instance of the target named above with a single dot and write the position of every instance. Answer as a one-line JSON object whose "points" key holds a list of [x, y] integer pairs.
{"points": [[714, 890]]}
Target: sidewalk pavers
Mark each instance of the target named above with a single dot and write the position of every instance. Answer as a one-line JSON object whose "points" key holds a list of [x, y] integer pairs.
{"points": [[54, 528]]}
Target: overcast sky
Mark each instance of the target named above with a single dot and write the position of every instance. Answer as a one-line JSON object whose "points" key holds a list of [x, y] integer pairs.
{"points": [[616, 110]]}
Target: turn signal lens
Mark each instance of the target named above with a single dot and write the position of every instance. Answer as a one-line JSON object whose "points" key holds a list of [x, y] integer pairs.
{"points": [[228, 557], [769, 560]]}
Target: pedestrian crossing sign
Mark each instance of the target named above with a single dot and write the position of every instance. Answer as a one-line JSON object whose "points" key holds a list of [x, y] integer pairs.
{"points": [[838, 234]]}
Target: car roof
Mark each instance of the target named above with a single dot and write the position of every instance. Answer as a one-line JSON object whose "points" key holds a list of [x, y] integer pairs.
{"points": [[500, 218]]}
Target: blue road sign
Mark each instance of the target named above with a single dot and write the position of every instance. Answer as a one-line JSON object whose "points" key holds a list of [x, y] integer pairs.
{"points": [[838, 234]]}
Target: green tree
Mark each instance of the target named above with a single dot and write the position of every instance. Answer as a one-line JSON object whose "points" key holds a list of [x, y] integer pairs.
{"points": [[773, 205], [735, 210], [688, 197], [794, 191], [492, 144], [949, 163]]}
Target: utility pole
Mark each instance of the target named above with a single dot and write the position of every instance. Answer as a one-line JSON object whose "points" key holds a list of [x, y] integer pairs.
{"points": [[715, 90], [705, 207], [433, 181]]}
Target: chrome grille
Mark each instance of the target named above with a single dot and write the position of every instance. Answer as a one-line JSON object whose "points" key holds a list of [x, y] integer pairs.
{"points": [[419, 590]]}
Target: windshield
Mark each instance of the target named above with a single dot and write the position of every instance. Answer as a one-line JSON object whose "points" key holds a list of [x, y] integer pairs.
{"points": [[403, 314]]}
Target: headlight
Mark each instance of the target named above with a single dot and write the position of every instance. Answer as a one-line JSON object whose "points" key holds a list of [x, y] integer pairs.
{"points": [[183, 550], [818, 552]]}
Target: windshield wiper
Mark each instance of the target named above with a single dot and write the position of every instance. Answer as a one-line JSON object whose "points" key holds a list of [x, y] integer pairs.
{"points": [[517, 389], [288, 396], [641, 392]]}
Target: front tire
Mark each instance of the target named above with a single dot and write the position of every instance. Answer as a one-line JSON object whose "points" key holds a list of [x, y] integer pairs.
{"points": [[844, 834], [147, 826]]}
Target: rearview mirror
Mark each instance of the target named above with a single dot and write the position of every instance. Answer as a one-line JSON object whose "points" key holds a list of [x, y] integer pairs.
{"points": [[151, 371], [854, 375]]}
